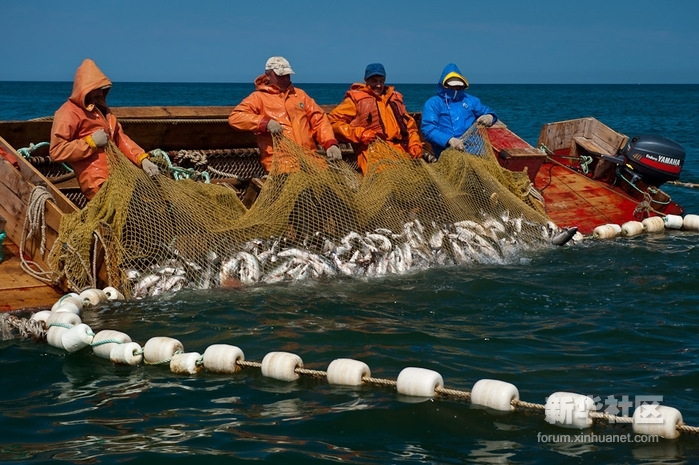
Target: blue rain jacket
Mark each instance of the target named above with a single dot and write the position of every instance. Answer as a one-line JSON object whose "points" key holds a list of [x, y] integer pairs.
{"points": [[450, 113]]}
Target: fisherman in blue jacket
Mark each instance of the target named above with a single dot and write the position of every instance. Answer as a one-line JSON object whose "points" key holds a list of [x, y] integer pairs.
{"points": [[447, 115]]}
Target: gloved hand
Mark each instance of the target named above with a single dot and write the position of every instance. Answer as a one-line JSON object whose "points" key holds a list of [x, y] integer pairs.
{"points": [[485, 120], [367, 137], [455, 143], [99, 138], [149, 167], [274, 128], [415, 151], [334, 153]]}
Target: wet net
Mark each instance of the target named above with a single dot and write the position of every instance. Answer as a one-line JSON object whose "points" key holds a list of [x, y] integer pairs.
{"points": [[313, 218]]}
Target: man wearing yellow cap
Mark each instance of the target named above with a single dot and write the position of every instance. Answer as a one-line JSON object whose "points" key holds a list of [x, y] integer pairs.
{"points": [[449, 114]]}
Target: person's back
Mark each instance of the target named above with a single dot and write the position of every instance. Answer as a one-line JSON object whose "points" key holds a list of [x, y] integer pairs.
{"points": [[447, 115], [277, 107]]}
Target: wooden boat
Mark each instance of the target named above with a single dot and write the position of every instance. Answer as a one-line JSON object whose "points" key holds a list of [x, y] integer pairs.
{"points": [[589, 175], [578, 167]]}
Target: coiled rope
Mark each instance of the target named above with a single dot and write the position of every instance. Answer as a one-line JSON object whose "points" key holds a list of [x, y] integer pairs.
{"points": [[35, 223], [27, 151], [179, 173]]}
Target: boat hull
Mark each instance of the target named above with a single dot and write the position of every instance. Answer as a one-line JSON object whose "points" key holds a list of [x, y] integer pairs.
{"points": [[573, 197], [579, 187]]}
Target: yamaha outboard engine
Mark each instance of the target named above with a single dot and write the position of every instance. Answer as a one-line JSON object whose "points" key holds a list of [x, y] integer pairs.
{"points": [[654, 159]]}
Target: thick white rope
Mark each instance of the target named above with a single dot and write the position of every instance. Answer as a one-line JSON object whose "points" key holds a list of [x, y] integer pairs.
{"points": [[34, 224]]}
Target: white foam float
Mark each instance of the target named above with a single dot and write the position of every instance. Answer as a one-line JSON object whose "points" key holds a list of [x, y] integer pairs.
{"points": [[347, 372], [222, 358], [418, 382], [281, 366], [105, 340], [494, 394]]}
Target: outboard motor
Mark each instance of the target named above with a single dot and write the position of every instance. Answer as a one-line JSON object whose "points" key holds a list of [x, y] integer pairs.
{"points": [[654, 159]]}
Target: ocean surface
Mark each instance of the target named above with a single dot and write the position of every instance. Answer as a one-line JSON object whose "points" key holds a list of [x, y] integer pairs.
{"points": [[616, 320]]}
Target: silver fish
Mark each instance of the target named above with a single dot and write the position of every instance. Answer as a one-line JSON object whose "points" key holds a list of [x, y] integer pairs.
{"points": [[141, 288], [564, 236], [249, 267], [382, 242]]}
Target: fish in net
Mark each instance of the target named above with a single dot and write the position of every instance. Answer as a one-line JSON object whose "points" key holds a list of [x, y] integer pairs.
{"points": [[313, 219]]}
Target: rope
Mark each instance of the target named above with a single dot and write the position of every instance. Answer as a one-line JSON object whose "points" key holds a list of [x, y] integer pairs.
{"points": [[312, 373], [179, 173], [646, 194], [585, 161], [684, 184], [162, 362], [687, 429], [453, 393], [610, 418], [643, 206], [106, 259], [65, 247], [35, 221], [27, 328], [32, 328], [520, 404], [223, 173], [27, 151]]}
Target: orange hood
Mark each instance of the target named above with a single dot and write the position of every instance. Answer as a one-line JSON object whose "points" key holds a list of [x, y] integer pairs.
{"points": [[88, 77]]}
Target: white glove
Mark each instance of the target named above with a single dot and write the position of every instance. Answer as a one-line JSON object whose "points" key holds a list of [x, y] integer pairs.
{"points": [[334, 153], [457, 144], [150, 168], [100, 138], [485, 120], [274, 128]]}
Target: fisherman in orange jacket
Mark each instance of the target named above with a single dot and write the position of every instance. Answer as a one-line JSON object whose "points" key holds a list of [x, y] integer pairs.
{"points": [[372, 110], [84, 125], [277, 107]]}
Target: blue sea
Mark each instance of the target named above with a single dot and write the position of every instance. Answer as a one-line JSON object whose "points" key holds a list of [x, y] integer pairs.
{"points": [[616, 320]]}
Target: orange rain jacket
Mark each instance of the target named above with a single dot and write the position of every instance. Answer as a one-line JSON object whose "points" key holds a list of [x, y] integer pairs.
{"points": [[301, 118], [75, 120], [384, 114]]}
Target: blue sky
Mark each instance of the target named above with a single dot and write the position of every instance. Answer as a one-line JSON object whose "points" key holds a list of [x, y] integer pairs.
{"points": [[493, 42]]}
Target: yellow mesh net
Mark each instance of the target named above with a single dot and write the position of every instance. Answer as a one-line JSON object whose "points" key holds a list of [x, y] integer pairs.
{"points": [[313, 218]]}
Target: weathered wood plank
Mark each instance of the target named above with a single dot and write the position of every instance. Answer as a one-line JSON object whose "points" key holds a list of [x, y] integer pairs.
{"points": [[18, 290]]}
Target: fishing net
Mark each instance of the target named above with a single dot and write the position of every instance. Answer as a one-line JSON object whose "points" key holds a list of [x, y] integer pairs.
{"points": [[313, 218]]}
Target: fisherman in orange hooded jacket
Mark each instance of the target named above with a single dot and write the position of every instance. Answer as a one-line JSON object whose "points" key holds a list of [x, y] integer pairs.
{"points": [[372, 110], [277, 107], [84, 125]]}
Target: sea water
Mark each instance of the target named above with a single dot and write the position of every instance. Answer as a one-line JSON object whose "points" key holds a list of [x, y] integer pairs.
{"points": [[615, 320]]}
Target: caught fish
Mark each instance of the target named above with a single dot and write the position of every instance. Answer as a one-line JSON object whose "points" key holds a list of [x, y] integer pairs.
{"points": [[564, 236], [249, 270], [141, 288], [380, 241], [437, 240]]}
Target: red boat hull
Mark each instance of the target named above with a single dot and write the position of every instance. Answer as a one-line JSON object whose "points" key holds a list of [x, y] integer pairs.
{"points": [[572, 196]]}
